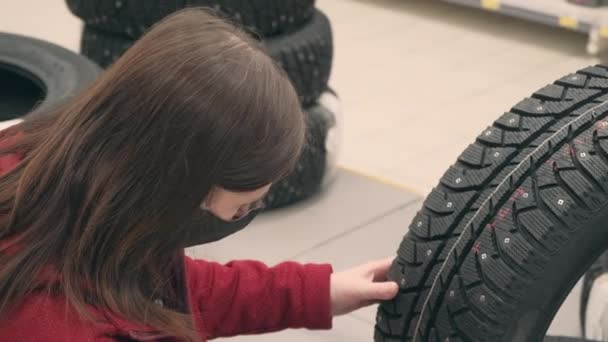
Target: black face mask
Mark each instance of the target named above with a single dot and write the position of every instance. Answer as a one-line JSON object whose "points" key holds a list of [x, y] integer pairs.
{"points": [[205, 227]]}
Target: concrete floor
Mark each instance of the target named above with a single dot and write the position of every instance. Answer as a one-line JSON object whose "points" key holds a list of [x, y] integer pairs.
{"points": [[419, 79]]}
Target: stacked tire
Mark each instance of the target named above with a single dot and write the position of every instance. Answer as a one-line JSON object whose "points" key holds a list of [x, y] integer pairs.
{"points": [[295, 34]]}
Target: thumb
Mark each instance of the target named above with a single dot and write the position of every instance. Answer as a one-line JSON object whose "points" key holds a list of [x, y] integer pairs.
{"points": [[381, 291]]}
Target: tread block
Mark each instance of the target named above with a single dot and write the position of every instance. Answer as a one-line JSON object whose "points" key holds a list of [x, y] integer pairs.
{"points": [[597, 70], [408, 250], [440, 226], [438, 202], [573, 80], [509, 121], [474, 155], [519, 253], [558, 201], [535, 224], [456, 178], [600, 83], [488, 302], [551, 92], [491, 135]]}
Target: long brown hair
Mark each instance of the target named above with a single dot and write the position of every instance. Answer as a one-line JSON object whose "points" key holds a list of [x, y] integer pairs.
{"points": [[110, 177]]}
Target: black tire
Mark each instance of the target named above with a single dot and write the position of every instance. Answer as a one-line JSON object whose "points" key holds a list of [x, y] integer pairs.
{"points": [[306, 55], [132, 18], [102, 47], [307, 179], [35, 74], [512, 225]]}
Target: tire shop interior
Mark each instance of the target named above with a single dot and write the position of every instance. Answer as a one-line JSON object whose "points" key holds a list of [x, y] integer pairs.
{"points": [[466, 138]]}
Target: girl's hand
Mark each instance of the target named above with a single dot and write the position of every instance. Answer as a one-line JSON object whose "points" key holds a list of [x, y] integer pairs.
{"points": [[361, 286]]}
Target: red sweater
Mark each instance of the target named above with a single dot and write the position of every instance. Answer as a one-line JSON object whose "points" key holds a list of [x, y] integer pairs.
{"points": [[241, 297]]}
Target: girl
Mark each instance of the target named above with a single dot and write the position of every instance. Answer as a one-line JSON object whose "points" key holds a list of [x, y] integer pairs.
{"points": [[175, 145]]}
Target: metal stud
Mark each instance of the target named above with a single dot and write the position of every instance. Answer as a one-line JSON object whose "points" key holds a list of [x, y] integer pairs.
{"points": [[402, 281], [574, 78], [511, 121], [449, 204], [525, 195], [560, 201], [429, 252], [484, 256], [488, 133], [458, 180], [496, 154], [118, 4], [419, 224], [604, 123], [539, 108], [583, 154], [452, 293], [482, 298], [507, 240]]}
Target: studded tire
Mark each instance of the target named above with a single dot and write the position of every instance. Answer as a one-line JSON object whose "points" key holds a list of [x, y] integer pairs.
{"points": [[306, 55], [511, 226], [102, 47], [317, 161], [132, 18]]}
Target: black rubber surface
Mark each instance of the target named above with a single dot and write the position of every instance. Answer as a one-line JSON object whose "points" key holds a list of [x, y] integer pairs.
{"points": [[102, 47], [132, 18], [306, 55], [307, 178], [37, 74], [512, 225]]}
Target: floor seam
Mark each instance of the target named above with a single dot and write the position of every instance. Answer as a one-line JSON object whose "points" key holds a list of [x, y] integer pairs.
{"points": [[356, 228]]}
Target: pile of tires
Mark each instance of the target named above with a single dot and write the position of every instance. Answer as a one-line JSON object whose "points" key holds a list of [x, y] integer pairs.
{"points": [[36, 75], [511, 226], [296, 34]]}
